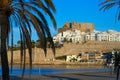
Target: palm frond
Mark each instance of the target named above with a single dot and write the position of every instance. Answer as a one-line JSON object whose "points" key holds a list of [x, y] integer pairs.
{"points": [[25, 34], [118, 13], [45, 9], [39, 30], [43, 22], [21, 48], [50, 4], [11, 50], [18, 10], [108, 4]]}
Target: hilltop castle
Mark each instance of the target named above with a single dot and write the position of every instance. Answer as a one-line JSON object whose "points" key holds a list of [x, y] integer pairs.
{"points": [[83, 27], [83, 32], [95, 44]]}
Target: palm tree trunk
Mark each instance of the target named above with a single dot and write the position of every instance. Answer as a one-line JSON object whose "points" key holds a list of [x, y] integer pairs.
{"points": [[118, 70], [3, 47]]}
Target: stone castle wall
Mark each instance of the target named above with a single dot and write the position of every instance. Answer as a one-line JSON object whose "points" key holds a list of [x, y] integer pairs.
{"points": [[67, 49], [83, 27]]}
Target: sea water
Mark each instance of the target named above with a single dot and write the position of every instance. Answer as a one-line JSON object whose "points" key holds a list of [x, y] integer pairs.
{"points": [[52, 69]]}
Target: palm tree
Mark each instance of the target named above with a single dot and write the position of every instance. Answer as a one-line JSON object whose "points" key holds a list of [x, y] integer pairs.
{"points": [[26, 14], [116, 59], [108, 4]]}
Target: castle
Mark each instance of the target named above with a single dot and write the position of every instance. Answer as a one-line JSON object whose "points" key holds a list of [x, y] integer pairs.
{"points": [[84, 44], [83, 27], [83, 32]]}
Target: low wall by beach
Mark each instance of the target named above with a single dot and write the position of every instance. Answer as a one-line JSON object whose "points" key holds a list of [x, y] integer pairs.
{"points": [[38, 55]]}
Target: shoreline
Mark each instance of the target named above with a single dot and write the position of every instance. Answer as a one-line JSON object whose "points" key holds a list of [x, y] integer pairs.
{"points": [[63, 63]]}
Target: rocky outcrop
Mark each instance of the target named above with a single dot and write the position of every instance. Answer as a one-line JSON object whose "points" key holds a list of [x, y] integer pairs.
{"points": [[83, 27]]}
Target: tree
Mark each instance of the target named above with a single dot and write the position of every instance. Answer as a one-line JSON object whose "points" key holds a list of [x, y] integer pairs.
{"points": [[71, 40], [26, 14], [108, 4], [19, 43], [38, 44], [33, 44], [116, 60]]}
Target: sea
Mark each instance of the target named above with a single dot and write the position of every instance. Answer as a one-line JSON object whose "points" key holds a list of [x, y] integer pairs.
{"points": [[57, 69]]}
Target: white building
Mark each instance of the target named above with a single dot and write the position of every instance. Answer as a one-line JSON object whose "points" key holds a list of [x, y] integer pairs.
{"points": [[73, 58], [103, 36], [78, 36]]}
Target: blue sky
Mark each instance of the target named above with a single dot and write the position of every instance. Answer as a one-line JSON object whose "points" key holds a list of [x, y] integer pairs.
{"points": [[85, 11], [81, 11]]}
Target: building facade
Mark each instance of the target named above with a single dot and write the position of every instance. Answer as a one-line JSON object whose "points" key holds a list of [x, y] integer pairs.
{"points": [[77, 36]]}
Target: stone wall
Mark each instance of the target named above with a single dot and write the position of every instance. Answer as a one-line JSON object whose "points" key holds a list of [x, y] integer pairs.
{"points": [[67, 49], [83, 27]]}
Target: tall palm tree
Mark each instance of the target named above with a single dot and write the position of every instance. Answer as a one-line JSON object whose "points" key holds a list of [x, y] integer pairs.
{"points": [[26, 14], [108, 4], [116, 60]]}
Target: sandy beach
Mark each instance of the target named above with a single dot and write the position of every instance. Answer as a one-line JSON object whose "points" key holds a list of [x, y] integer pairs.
{"points": [[70, 76]]}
